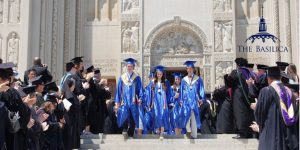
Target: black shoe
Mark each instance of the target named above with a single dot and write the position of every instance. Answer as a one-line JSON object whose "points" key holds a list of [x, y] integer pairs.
{"points": [[240, 137], [236, 137]]}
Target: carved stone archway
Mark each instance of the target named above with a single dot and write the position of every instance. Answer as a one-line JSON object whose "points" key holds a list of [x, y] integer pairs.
{"points": [[173, 42]]}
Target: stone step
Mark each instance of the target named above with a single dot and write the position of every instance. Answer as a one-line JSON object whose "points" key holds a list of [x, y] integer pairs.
{"points": [[168, 141], [171, 142], [212, 146], [154, 136]]}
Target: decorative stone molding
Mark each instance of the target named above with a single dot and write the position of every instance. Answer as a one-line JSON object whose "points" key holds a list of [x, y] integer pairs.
{"points": [[130, 6], [1, 11], [13, 42], [54, 38], [223, 36], [130, 36], [207, 79], [222, 68], [170, 25], [14, 13]]}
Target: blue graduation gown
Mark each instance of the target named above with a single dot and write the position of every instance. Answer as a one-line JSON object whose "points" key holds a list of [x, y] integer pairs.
{"points": [[128, 91], [148, 110], [161, 99], [190, 93], [176, 111]]}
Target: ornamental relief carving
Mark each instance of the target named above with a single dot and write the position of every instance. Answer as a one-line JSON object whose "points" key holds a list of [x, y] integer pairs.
{"points": [[176, 40], [176, 37], [130, 37], [222, 68], [13, 42]]}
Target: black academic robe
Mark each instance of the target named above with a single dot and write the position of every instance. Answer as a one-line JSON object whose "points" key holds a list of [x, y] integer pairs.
{"points": [[39, 101], [274, 134], [84, 104], [97, 108], [73, 126], [110, 125], [243, 114], [49, 139], [225, 120], [14, 103], [3, 120], [208, 118], [33, 134]]}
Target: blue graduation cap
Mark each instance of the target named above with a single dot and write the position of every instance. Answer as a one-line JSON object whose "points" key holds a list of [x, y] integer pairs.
{"points": [[130, 61], [190, 63], [160, 68], [177, 75]]}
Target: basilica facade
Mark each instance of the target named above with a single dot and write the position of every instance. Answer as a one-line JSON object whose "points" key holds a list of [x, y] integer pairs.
{"points": [[155, 32]]}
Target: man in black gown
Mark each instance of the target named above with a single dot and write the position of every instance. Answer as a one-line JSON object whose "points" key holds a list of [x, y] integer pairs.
{"points": [[243, 114], [97, 109], [11, 100], [275, 115]]}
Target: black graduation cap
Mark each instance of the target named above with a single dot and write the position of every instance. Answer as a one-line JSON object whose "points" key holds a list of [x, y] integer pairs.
{"points": [[37, 80], [294, 87], [29, 89], [70, 65], [97, 70], [282, 65], [51, 97], [285, 78], [88, 67], [242, 62], [40, 70], [273, 71], [263, 67], [51, 86], [7, 68], [77, 60], [250, 66]]}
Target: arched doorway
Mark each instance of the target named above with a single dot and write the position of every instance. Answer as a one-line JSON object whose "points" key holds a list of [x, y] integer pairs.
{"points": [[173, 42]]}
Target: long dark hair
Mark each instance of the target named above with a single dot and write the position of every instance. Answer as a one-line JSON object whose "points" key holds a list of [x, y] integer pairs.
{"points": [[163, 80]]}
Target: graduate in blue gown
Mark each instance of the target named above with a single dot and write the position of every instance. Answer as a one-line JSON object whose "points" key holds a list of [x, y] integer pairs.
{"points": [[176, 110], [148, 106], [193, 96], [162, 91], [128, 100]]}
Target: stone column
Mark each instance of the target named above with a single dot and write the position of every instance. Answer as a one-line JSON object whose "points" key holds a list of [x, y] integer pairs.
{"points": [[288, 29], [96, 19], [276, 26]]}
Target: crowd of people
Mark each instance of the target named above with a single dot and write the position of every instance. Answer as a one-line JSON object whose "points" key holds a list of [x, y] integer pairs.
{"points": [[37, 113]]}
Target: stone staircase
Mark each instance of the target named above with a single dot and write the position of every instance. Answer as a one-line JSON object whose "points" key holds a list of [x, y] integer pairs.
{"points": [[170, 142]]}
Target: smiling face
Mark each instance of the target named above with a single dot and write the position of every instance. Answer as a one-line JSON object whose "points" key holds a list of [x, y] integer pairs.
{"points": [[190, 70], [130, 68], [31, 75], [159, 75], [177, 81]]}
